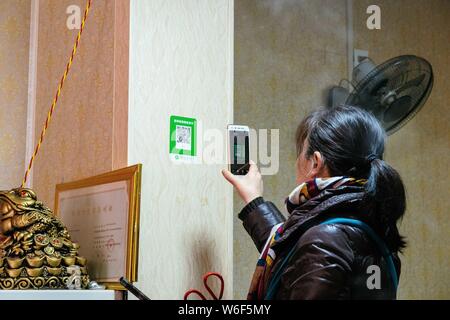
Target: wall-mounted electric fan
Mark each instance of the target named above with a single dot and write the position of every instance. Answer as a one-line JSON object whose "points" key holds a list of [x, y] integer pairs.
{"points": [[393, 91]]}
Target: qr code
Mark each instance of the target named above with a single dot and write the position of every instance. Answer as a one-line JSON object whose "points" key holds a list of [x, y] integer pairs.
{"points": [[183, 137]]}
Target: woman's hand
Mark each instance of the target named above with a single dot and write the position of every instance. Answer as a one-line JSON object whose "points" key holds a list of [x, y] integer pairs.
{"points": [[249, 186]]}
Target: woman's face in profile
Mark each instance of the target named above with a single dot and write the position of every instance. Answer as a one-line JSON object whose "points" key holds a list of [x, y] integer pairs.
{"points": [[307, 169], [303, 165]]}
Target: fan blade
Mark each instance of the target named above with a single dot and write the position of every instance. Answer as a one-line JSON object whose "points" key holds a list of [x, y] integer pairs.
{"points": [[397, 109], [411, 83]]}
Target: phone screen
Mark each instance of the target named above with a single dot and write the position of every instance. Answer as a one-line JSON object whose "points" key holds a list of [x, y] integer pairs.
{"points": [[239, 152]]}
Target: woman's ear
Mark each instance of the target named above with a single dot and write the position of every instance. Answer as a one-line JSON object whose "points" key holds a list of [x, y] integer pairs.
{"points": [[319, 169]]}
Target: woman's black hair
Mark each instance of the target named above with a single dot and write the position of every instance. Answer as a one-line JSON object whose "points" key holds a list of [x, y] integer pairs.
{"points": [[351, 142]]}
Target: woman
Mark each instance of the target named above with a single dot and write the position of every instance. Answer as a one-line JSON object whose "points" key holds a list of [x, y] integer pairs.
{"points": [[340, 174]]}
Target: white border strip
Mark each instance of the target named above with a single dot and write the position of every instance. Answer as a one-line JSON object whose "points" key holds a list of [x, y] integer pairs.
{"points": [[230, 107], [32, 81]]}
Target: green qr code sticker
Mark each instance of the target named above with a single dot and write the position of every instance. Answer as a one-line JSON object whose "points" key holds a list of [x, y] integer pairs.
{"points": [[183, 139]]}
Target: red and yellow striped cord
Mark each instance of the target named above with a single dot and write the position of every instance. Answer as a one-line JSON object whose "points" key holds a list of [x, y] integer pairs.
{"points": [[58, 93]]}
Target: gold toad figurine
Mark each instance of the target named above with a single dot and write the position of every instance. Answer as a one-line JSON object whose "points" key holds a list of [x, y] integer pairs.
{"points": [[35, 247]]}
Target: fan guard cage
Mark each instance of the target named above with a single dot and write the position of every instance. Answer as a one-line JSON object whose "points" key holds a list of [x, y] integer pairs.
{"points": [[394, 91]]}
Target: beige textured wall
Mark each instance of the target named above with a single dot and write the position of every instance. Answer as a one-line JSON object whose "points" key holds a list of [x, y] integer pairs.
{"points": [[79, 142], [181, 58], [420, 150], [14, 48], [286, 53]]}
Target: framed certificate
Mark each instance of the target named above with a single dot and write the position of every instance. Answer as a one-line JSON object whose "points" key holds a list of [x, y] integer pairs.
{"points": [[101, 213]]}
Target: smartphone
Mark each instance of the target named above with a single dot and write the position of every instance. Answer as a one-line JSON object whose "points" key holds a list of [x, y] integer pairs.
{"points": [[238, 149]]}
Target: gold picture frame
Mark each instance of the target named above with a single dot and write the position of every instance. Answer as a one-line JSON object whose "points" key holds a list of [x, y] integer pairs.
{"points": [[132, 177]]}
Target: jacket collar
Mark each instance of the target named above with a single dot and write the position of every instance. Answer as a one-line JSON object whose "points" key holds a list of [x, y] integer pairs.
{"points": [[344, 201]]}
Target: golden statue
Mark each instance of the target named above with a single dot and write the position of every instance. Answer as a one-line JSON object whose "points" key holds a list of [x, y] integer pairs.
{"points": [[35, 247]]}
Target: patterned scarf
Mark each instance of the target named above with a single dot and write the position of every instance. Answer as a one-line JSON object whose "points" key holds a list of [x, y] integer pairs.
{"points": [[300, 195]]}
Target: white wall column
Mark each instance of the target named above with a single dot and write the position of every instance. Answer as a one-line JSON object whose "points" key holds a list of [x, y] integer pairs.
{"points": [[181, 63]]}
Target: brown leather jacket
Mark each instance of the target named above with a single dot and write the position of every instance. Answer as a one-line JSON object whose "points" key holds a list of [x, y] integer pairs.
{"points": [[330, 261]]}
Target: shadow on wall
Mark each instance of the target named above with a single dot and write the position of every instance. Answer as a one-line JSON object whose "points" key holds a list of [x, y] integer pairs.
{"points": [[200, 256]]}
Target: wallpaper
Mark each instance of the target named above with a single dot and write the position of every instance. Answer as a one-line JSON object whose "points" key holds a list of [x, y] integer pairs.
{"points": [[180, 64], [78, 143], [14, 56], [420, 151]]}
